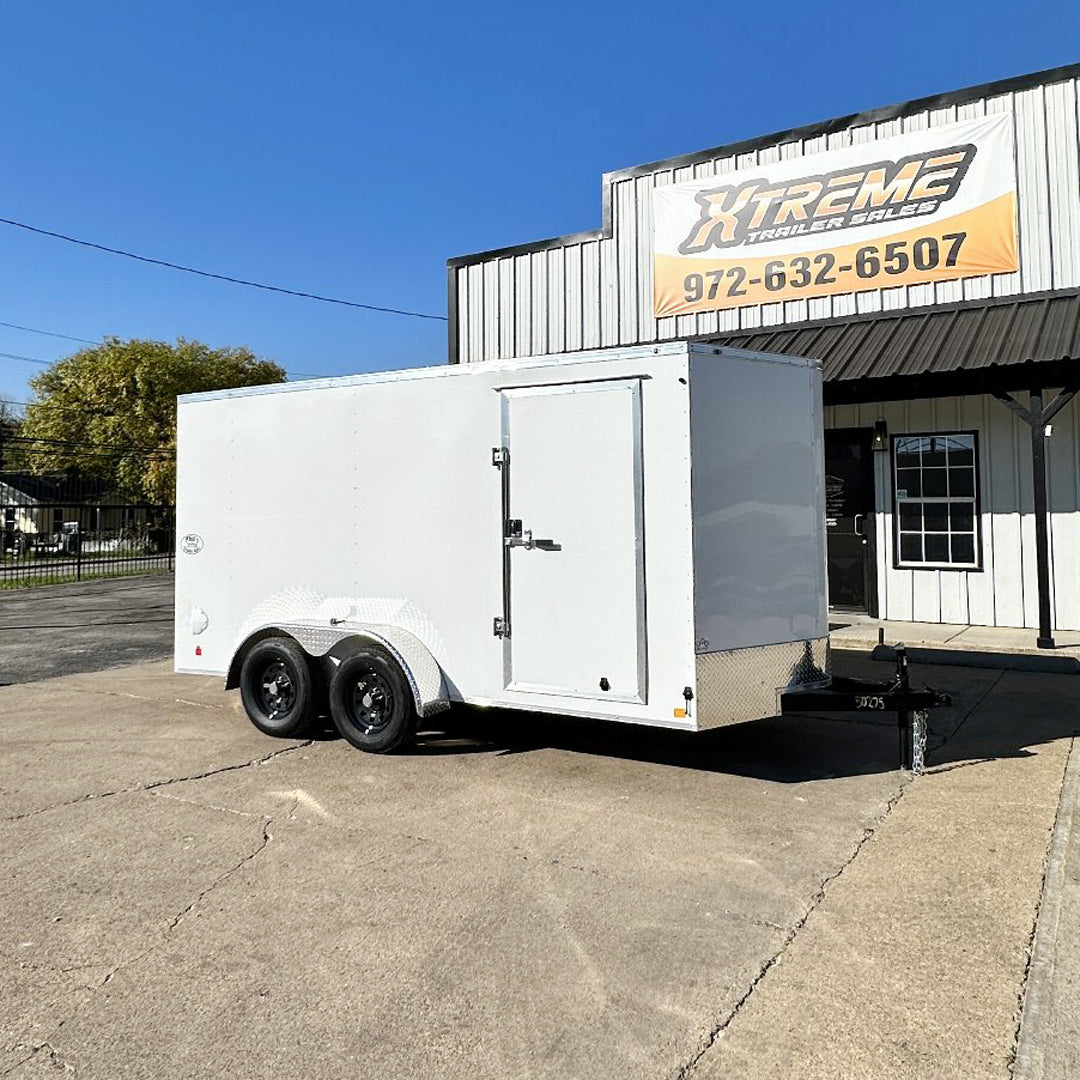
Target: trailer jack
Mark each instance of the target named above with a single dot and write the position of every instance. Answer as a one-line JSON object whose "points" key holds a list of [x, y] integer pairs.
{"points": [[912, 705]]}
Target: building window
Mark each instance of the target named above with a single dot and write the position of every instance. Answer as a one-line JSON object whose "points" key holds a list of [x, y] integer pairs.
{"points": [[936, 491]]}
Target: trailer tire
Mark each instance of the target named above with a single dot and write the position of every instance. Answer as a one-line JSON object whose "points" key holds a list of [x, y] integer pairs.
{"points": [[277, 687], [371, 702]]}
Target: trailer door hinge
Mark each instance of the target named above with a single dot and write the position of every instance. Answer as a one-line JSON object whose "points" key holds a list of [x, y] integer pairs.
{"points": [[500, 456], [500, 627]]}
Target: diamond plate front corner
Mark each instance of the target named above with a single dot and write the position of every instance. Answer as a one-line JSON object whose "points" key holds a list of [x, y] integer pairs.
{"points": [[745, 684]]}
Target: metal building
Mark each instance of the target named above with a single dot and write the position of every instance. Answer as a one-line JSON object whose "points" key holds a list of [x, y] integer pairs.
{"points": [[929, 254]]}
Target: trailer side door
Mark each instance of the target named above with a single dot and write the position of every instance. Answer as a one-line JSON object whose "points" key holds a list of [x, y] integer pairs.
{"points": [[574, 577]]}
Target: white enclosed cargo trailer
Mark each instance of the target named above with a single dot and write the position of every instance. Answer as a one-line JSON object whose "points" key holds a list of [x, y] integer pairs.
{"points": [[633, 534]]}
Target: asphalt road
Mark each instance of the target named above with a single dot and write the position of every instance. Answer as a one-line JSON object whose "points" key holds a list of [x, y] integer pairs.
{"points": [[182, 897], [84, 626]]}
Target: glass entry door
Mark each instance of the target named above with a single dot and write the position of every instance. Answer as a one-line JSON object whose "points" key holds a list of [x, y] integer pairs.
{"points": [[849, 520]]}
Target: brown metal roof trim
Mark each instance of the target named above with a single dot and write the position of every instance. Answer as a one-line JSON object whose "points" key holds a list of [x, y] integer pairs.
{"points": [[966, 336]]}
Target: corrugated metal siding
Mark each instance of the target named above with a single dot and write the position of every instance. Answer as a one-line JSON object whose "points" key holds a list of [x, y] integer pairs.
{"points": [[610, 279], [1004, 592]]}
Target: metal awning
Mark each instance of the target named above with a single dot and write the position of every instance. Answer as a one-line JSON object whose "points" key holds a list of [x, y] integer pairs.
{"points": [[943, 340]]}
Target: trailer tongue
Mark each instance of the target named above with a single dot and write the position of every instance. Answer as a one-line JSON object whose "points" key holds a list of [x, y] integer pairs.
{"points": [[911, 704]]}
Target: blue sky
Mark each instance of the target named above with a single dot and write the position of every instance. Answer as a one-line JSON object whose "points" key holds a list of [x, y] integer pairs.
{"points": [[350, 149]]}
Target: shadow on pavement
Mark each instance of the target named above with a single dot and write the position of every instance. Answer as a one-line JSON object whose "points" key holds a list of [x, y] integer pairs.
{"points": [[995, 714], [990, 718]]}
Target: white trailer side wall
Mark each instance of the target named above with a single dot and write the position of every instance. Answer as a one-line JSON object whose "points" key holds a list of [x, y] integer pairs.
{"points": [[1004, 592], [374, 499], [596, 290]]}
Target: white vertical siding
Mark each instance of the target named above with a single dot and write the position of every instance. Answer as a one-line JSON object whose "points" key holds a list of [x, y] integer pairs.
{"points": [[557, 318], [609, 293], [1062, 152], [522, 301], [490, 345], [1064, 499], [590, 290], [1033, 190], [538, 303], [1004, 591], [507, 310], [977, 414], [573, 273]]}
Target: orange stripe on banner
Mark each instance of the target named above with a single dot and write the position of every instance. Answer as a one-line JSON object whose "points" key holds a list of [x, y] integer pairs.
{"points": [[683, 284]]}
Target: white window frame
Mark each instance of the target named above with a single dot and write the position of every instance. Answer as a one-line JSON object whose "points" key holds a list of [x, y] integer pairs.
{"points": [[900, 498]]}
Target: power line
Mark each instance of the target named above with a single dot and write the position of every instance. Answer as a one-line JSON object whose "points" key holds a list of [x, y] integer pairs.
{"points": [[57, 405], [48, 333], [221, 277], [25, 359], [83, 457], [92, 445], [60, 446]]}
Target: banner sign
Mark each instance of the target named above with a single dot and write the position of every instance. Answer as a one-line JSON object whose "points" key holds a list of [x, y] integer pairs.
{"points": [[924, 206]]}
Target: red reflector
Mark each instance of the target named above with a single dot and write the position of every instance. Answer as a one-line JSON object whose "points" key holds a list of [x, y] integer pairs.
{"points": [[198, 650]]}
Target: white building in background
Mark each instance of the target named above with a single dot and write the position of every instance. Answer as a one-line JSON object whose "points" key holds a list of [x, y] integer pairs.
{"points": [[929, 255]]}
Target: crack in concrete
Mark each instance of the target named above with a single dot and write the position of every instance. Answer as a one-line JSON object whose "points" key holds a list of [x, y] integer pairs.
{"points": [[816, 900], [175, 921], [260, 847], [55, 1060], [937, 770], [22, 1061], [162, 783]]}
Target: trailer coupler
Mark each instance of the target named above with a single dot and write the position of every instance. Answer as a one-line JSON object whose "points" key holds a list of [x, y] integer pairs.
{"points": [[911, 704]]}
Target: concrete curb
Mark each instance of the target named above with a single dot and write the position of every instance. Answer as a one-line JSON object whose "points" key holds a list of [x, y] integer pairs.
{"points": [[1031, 1049], [1047, 663]]}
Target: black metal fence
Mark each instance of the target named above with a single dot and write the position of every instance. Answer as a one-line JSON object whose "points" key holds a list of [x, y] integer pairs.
{"points": [[55, 529]]}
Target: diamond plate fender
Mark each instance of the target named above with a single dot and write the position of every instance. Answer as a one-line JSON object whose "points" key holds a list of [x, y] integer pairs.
{"points": [[423, 673]]}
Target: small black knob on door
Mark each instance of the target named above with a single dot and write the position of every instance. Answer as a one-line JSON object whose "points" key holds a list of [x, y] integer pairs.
{"points": [[604, 684]]}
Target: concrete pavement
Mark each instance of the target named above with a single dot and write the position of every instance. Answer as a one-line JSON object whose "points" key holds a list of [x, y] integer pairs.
{"points": [[183, 897], [914, 964]]}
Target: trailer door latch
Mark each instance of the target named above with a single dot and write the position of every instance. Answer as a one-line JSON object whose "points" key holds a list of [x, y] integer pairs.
{"points": [[500, 456], [500, 627]]}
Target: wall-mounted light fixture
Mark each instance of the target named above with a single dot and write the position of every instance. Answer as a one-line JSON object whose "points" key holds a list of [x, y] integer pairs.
{"points": [[881, 435]]}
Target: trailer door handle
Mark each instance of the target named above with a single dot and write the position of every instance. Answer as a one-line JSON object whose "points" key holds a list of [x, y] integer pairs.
{"points": [[855, 527], [526, 541]]}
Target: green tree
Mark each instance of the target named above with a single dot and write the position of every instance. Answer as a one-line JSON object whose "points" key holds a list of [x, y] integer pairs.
{"points": [[9, 428], [109, 412]]}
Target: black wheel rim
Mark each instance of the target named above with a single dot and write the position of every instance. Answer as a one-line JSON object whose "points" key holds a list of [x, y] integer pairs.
{"points": [[276, 690], [371, 703]]}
